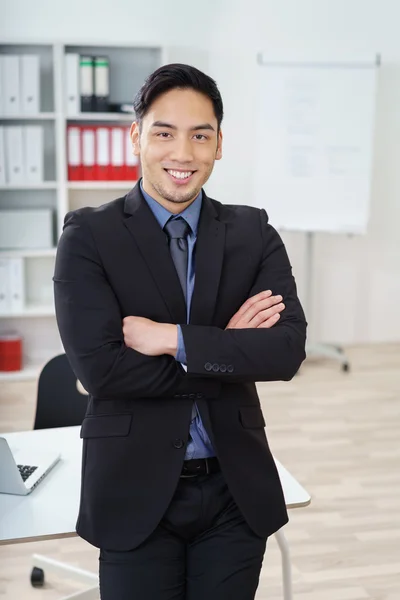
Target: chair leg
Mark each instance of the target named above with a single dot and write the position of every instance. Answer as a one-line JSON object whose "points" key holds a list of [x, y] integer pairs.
{"points": [[286, 566], [74, 573]]}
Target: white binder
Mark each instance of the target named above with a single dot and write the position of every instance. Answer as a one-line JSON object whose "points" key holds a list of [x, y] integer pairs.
{"points": [[72, 94], [14, 154], [11, 82], [30, 83], [117, 146], [33, 149], [5, 302], [16, 282], [23, 228], [86, 83], [2, 158], [102, 146], [1, 87], [88, 148], [131, 160]]}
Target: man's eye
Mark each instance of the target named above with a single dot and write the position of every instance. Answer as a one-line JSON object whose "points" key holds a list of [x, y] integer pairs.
{"points": [[163, 134], [200, 136]]}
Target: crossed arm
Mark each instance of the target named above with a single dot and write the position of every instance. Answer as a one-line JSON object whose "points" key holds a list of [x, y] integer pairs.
{"points": [[135, 358], [154, 339]]}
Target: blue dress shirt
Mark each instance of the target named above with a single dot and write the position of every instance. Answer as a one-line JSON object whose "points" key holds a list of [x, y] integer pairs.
{"points": [[199, 445]]}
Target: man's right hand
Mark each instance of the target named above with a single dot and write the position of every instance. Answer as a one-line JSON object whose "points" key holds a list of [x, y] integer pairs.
{"points": [[262, 310]]}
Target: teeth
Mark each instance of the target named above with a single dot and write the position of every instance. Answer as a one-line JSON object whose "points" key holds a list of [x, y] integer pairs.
{"points": [[180, 174]]}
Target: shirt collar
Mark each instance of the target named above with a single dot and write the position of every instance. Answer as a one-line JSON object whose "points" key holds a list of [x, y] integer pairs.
{"points": [[191, 214]]}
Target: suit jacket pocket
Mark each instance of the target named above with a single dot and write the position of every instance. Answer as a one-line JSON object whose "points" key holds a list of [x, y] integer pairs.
{"points": [[251, 417], [106, 426]]}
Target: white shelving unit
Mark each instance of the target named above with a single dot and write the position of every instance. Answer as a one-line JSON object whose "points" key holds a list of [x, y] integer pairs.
{"points": [[129, 66]]}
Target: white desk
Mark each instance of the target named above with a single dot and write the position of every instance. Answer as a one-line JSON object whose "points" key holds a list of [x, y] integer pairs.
{"points": [[50, 511]]}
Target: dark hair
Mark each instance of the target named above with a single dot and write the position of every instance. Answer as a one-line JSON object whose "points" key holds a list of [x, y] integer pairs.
{"points": [[169, 77]]}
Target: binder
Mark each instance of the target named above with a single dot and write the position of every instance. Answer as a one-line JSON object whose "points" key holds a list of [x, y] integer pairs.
{"points": [[101, 83], [117, 154], [1, 87], [74, 153], [103, 153], [2, 158], [30, 83], [11, 82], [131, 161], [14, 154], [33, 144], [16, 285], [88, 153], [72, 95], [86, 83], [23, 228], [5, 302]]}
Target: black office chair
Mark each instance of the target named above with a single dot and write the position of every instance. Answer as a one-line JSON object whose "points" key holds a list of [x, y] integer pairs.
{"points": [[59, 402]]}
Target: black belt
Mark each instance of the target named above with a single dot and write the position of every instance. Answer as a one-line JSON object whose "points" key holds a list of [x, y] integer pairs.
{"points": [[200, 466]]}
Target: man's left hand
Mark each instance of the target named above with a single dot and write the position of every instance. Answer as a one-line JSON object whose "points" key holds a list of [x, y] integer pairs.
{"points": [[149, 337]]}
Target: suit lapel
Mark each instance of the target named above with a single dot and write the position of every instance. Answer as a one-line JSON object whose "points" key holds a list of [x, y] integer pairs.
{"points": [[210, 246], [153, 245]]}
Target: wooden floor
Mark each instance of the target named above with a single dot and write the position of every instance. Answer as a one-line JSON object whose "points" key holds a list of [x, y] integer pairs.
{"points": [[339, 435]]}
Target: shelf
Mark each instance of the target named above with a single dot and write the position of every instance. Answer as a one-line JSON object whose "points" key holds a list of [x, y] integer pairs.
{"points": [[124, 117], [29, 372], [28, 253], [100, 185], [44, 116], [45, 185], [31, 311]]}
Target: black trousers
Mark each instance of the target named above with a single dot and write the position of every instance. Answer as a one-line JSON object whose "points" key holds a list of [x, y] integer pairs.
{"points": [[202, 550]]}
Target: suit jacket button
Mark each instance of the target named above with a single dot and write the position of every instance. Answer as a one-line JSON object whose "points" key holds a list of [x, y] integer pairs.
{"points": [[230, 368], [177, 395], [208, 366], [222, 368], [192, 396], [185, 396], [178, 443], [199, 396], [215, 367]]}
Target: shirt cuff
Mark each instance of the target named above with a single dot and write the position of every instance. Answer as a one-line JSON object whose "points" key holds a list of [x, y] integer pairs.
{"points": [[181, 351]]}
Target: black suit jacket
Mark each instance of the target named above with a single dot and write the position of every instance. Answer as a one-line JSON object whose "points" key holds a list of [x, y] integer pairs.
{"points": [[114, 261]]}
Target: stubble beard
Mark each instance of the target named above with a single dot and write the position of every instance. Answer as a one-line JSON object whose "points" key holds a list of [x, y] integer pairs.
{"points": [[179, 196]]}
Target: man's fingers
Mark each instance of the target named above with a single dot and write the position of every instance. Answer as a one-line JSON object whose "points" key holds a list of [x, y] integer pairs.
{"points": [[260, 306], [264, 315], [253, 300], [269, 322]]}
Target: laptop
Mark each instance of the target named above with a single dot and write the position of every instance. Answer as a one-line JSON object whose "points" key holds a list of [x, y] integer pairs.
{"points": [[21, 470]]}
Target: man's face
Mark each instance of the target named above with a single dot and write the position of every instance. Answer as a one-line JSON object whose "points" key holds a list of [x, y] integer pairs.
{"points": [[177, 145]]}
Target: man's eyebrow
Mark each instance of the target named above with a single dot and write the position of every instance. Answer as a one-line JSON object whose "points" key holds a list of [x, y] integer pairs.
{"points": [[195, 128], [202, 126], [163, 124]]}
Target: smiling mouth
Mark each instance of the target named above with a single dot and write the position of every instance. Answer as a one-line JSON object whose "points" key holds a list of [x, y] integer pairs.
{"points": [[179, 175]]}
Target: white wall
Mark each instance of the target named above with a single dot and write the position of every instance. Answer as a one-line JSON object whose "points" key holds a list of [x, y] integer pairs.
{"points": [[357, 280]]}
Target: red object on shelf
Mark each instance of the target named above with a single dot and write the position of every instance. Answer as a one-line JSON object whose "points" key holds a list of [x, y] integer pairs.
{"points": [[74, 153], [88, 144], [10, 352]]}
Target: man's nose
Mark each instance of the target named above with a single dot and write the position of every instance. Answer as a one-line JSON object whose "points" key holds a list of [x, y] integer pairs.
{"points": [[182, 151]]}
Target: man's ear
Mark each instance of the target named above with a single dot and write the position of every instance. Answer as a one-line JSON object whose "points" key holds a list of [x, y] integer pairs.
{"points": [[135, 138], [218, 154]]}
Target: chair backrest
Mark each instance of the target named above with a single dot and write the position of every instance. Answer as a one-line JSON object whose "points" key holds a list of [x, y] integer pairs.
{"points": [[59, 402]]}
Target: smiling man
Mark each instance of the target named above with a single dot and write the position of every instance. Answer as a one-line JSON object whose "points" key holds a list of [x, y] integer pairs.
{"points": [[171, 306]]}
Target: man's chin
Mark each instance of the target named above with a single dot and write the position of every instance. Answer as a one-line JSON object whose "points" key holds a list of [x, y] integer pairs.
{"points": [[179, 196]]}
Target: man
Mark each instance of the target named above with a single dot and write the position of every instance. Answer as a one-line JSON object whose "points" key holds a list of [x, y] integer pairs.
{"points": [[171, 306]]}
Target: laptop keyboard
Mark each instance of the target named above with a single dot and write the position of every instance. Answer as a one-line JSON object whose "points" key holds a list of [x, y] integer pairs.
{"points": [[26, 471]]}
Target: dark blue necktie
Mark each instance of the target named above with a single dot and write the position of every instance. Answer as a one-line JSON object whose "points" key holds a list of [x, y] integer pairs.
{"points": [[177, 231]]}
